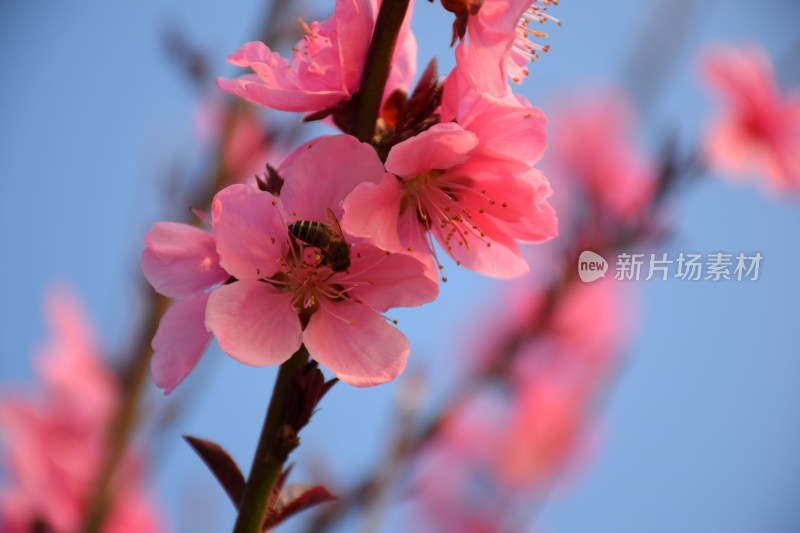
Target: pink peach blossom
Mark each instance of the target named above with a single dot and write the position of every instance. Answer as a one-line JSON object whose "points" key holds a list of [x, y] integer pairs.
{"points": [[557, 375], [470, 185], [498, 46], [549, 417], [593, 147], [286, 295], [504, 447], [55, 440], [180, 261], [325, 69], [759, 130]]}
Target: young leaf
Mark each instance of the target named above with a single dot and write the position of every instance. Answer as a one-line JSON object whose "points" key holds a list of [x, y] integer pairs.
{"points": [[221, 465], [309, 498]]}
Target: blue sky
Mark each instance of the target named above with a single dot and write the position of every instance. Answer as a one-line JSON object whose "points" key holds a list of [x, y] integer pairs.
{"points": [[700, 431]]}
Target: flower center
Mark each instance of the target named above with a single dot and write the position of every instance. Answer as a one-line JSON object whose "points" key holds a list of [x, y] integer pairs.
{"points": [[438, 201], [303, 276], [315, 41]]}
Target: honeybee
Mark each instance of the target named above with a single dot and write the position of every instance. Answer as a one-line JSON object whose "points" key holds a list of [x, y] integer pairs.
{"points": [[329, 238]]}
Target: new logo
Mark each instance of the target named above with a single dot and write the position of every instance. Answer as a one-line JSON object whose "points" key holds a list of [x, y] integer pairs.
{"points": [[591, 266]]}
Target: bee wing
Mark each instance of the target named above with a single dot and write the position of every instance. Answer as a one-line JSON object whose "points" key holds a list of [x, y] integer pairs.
{"points": [[333, 223]]}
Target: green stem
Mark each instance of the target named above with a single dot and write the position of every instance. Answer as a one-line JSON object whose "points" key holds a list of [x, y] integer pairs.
{"points": [[377, 67], [272, 450]]}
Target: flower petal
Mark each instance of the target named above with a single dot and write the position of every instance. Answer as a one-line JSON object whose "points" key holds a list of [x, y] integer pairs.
{"points": [[250, 233], [281, 99], [327, 170], [390, 280], [495, 255], [180, 259], [509, 132], [254, 323], [539, 226], [273, 84], [438, 148], [356, 343], [372, 211], [180, 341], [482, 63], [354, 23]]}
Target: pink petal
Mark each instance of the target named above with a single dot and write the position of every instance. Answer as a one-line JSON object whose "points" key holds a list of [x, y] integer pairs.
{"points": [[394, 280], [354, 22], [460, 99], [502, 16], [70, 362], [441, 147], [273, 85], [516, 133], [254, 323], [499, 188], [372, 211], [269, 66], [742, 74], [497, 255], [250, 232], [323, 175], [356, 343], [539, 226], [482, 63], [180, 259], [180, 341], [282, 99]]}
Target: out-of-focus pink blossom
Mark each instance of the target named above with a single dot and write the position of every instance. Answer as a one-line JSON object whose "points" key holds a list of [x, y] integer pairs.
{"points": [[758, 132], [558, 374], [326, 65], [248, 148], [55, 440], [452, 477], [503, 448], [469, 185], [180, 261], [499, 44], [593, 147], [550, 416], [283, 283]]}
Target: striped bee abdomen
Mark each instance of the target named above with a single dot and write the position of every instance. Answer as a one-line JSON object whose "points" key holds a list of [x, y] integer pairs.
{"points": [[331, 243]]}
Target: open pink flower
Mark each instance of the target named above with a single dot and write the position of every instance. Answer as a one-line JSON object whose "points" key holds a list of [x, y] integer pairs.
{"points": [[55, 440], [470, 185], [180, 261], [326, 66], [499, 43], [593, 146], [759, 131], [287, 295]]}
